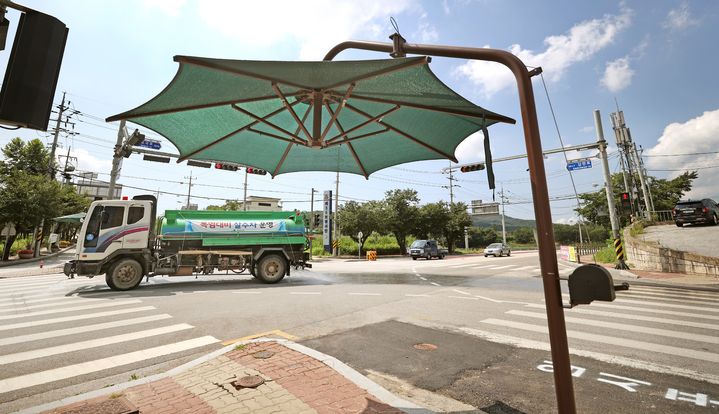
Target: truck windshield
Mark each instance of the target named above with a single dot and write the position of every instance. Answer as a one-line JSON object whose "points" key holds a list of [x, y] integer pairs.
{"points": [[418, 243]]}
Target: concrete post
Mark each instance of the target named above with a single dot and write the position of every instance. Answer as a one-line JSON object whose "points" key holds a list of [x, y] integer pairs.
{"points": [[116, 161]]}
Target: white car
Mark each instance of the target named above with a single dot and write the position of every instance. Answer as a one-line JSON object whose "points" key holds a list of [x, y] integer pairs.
{"points": [[497, 249]]}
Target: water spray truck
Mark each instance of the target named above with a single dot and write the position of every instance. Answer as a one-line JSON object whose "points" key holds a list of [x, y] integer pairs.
{"points": [[124, 240]]}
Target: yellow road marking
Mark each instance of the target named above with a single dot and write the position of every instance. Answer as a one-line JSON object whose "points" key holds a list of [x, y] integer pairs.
{"points": [[275, 332]]}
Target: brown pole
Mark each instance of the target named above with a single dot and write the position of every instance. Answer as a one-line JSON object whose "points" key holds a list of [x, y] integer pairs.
{"points": [[547, 254]]}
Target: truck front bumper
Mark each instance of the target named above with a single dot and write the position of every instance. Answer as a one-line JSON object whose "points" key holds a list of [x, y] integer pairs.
{"points": [[73, 267]]}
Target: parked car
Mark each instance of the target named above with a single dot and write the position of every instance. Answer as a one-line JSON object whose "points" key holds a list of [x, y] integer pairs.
{"points": [[497, 249], [427, 249], [694, 212]]}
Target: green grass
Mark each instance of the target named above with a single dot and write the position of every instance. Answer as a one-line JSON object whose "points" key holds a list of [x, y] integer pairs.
{"points": [[240, 347], [133, 377], [636, 229], [606, 255]]}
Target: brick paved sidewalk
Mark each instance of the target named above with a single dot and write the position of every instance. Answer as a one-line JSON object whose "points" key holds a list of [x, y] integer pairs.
{"points": [[295, 379]]}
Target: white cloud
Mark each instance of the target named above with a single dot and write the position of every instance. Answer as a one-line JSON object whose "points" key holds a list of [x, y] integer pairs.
{"points": [[680, 18], [170, 7], [579, 44], [617, 75], [315, 26], [426, 33], [88, 162], [471, 149], [700, 134]]}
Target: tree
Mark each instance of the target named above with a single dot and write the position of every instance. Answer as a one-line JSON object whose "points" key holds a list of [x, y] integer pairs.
{"points": [[457, 221], [27, 194], [523, 235], [482, 236], [365, 217], [230, 205], [432, 221], [665, 194], [401, 213]]}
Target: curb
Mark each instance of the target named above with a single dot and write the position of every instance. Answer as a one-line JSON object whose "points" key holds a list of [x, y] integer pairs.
{"points": [[343, 369], [35, 259]]}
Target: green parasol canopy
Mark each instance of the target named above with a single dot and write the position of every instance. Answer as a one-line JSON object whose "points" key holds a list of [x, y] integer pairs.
{"points": [[349, 116], [71, 218]]}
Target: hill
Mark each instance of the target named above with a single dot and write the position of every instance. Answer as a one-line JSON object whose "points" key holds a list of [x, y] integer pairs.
{"points": [[495, 221]]}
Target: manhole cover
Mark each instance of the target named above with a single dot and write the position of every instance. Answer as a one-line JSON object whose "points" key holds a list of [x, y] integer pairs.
{"points": [[250, 381], [425, 347], [263, 354]]}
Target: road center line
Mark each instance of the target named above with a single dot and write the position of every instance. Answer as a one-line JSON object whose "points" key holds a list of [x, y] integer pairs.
{"points": [[435, 284], [461, 292], [364, 294], [305, 293]]}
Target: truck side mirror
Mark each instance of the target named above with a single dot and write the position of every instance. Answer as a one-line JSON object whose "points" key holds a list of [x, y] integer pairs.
{"points": [[592, 282]]}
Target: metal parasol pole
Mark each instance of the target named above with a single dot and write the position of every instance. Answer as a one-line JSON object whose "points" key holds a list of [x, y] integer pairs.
{"points": [[563, 387]]}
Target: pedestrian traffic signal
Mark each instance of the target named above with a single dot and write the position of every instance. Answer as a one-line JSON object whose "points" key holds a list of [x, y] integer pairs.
{"points": [[472, 167], [228, 167], [316, 220], [626, 202], [252, 170]]}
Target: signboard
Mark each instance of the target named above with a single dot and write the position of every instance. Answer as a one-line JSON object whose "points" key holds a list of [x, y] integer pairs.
{"points": [[8, 230], [149, 143], [327, 221], [480, 208], [579, 164]]}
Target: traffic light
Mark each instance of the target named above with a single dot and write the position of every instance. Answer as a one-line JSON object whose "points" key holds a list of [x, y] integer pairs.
{"points": [[626, 202], [253, 170], [227, 167], [316, 220], [472, 167]]}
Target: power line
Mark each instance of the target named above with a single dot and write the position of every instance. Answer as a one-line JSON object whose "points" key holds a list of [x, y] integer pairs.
{"points": [[681, 155]]}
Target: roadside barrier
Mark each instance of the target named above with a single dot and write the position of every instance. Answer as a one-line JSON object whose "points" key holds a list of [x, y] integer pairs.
{"points": [[372, 255]]}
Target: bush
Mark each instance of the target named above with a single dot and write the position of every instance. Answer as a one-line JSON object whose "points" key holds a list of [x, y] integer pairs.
{"points": [[606, 255]]}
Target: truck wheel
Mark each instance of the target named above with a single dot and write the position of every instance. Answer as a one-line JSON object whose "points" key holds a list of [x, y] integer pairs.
{"points": [[414, 258], [126, 274], [272, 268], [679, 224]]}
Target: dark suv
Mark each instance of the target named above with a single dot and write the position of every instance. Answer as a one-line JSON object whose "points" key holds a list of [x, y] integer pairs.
{"points": [[692, 212]]}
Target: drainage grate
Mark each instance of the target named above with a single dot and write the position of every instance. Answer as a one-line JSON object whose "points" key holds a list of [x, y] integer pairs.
{"points": [[425, 347], [250, 381], [263, 354]]}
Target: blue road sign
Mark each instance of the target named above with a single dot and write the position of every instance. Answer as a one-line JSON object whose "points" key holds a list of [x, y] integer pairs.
{"points": [[149, 143], [579, 164]]}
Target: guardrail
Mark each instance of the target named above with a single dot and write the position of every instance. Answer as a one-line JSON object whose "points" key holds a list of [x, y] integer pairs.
{"points": [[587, 248], [661, 216]]}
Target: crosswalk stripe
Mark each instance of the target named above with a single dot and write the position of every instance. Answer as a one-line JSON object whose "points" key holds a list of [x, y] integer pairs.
{"points": [[681, 292], [608, 340], [526, 268], [653, 311], [30, 278], [624, 327], [643, 318], [81, 329], [75, 318], [23, 299], [502, 267], [43, 377], [92, 343], [462, 265], [714, 299], [71, 309], [644, 295], [63, 300], [11, 292], [660, 304], [28, 284]]}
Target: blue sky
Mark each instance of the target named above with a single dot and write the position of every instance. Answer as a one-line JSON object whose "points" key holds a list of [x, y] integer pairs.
{"points": [[654, 57]]}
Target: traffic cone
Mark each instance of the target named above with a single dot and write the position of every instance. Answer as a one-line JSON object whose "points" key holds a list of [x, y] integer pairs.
{"points": [[42, 263]]}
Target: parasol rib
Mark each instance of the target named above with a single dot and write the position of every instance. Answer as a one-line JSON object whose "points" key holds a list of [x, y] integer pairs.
{"points": [[289, 146], [217, 141], [271, 135], [339, 108], [406, 135], [349, 145], [369, 134], [493, 117], [411, 62], [294, 137], [128, 115], [369, 121], [301, 125]]}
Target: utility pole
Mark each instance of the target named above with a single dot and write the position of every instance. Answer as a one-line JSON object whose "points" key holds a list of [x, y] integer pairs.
{"points": [[244, 198], [613, 219], [451, 183], [189, 190], [64, 169], [116, 160], [504, 231], [645, 181], [61, 109], [335, 225]]}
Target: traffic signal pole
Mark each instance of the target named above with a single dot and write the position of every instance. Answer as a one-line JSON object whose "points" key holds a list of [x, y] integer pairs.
{"points": [[116, 161], [613, 219]]}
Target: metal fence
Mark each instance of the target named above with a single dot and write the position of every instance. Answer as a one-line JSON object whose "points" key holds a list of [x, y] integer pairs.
{"points": [[661, 216], [586, 248]]}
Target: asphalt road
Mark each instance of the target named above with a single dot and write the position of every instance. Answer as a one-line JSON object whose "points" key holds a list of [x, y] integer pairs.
{"points": [[488, 312]]}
